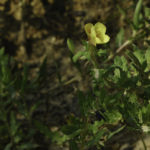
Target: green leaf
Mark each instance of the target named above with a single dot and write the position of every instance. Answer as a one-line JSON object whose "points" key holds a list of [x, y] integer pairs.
{"points": [[13, 124], [17, 139], [133, 98], [74, 134], [140, 56], [121, 62], [42, 70], [121, 10], [69, 129], [43, 129], [28, 146], [146, 114], [25, 78], [130, 114], [136, 63], [95, 127], [2, 50], [78, 55], [34, 107], [147, 56], [117, 73], [115, 132], [102, 52], [113, 117], [8, 146], [59, 138], [96, 138], [73, 145], [140, 117], [70, 45], [5, 69], [120, 37], [86, 102], [136, 18], [147, 12]]}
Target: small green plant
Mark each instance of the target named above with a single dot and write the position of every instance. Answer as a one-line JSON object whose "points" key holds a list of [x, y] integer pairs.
{"points": [[119, 95], [18, 129]]}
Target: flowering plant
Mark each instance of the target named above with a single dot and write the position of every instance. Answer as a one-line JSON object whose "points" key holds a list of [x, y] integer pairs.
{"points": [[96, 33], [118, 98]]}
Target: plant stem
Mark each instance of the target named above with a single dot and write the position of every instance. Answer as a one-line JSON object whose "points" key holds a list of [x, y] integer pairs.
{"points": [[92, 52], [135, 37], [144, 145], [119, 50]]}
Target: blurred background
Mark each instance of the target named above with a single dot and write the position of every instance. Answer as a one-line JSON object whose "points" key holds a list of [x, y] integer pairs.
{"points": [[32, 30]]}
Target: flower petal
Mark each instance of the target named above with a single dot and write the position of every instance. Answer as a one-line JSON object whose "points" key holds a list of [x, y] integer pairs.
{"points": [[100, 28], [98, 41], [92, 36], [96, 33], [106, 38], [87, 28]]}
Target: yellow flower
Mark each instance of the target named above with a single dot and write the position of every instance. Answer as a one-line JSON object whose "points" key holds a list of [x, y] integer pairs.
{"points": [[96, 33]]}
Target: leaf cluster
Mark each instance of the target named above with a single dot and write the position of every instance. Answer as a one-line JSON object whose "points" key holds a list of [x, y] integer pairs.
{"points": [[18, 129], [120, 91]]}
